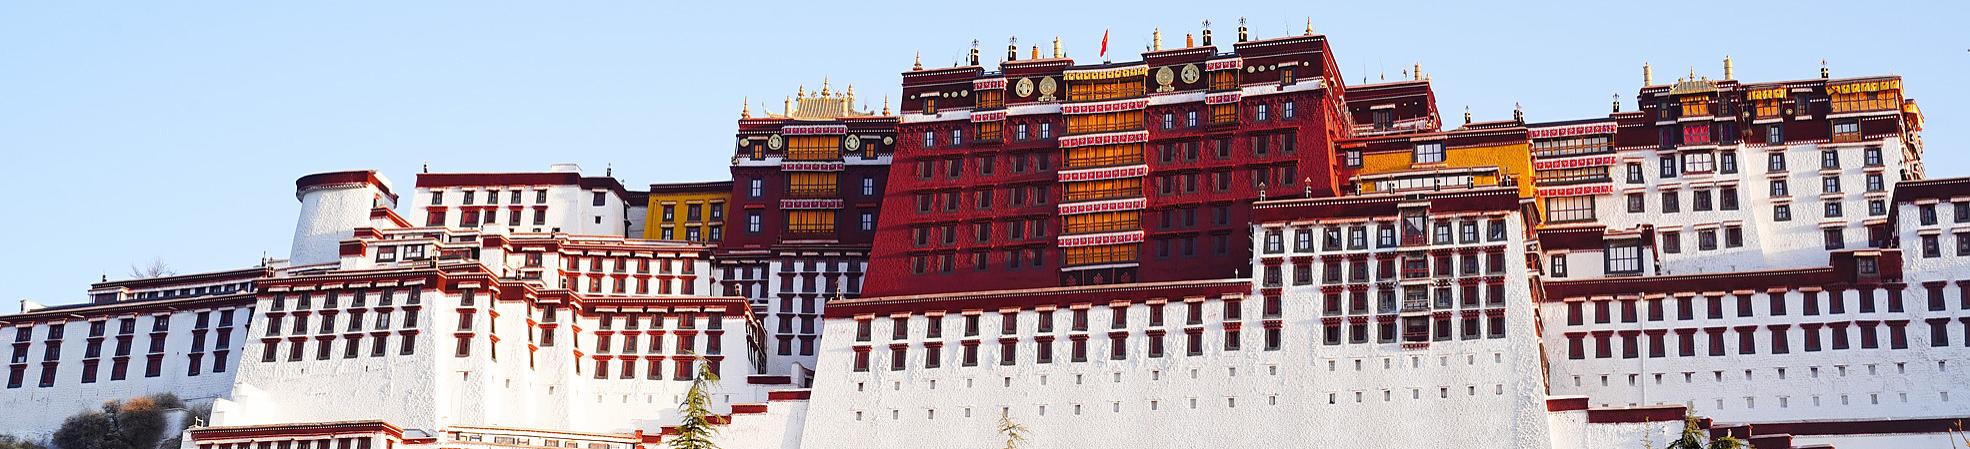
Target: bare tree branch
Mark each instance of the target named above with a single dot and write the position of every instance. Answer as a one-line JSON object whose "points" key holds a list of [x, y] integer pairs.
{"points": [[156, 269]]}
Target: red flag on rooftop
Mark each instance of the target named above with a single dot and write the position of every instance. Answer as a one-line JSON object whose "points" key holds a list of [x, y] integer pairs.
{"points": [[1104, 44]]}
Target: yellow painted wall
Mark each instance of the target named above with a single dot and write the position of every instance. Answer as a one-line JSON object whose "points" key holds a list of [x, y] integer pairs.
{"points": [[654, 223], [1512, 159]]}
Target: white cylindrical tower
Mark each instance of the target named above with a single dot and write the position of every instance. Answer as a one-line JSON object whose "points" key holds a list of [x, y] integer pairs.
{"points": [[333, 205]]}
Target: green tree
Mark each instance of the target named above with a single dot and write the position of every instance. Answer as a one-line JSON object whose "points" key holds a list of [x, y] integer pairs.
{"points": [[696, 430], [14, 442], [1693, 438], [1013, 431], [134, 424]]}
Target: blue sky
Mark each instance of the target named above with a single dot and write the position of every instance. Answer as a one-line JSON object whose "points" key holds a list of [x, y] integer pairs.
{"points": [[175, 130]]}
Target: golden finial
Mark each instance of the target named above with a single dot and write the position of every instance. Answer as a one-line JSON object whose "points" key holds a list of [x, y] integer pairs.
{"points": [[885, 104], [1309, 25], [802, 93], [824, 86], [1417, 72], [1727, 67], [787, 108], [745, 107], [1648, 75], [1156, 39], [1692, 73], [1056, 46], [918, 64]]}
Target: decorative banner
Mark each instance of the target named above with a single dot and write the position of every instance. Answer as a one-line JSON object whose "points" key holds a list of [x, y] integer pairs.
{"points": [[1105, 107], [988, 84], [1223, 98], [990, 116], [819, 203], [810, 130], [1104, 206], [1570, 131], [1225, 64], [1123, 72], [1600, 189], [811, 166], [1098, 174], [1864, 86], [1578, 162], [1112, 238], [1105, 139]]}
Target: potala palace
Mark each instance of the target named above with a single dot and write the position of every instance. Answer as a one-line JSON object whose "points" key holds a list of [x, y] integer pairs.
{"points": [[1220, 243]]}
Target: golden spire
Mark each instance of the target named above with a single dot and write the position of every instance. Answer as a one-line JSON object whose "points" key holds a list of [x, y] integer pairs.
{"points": [[851, 96], [824, 86], [1648, 75], [1309, 25], [1417, 72], [885, 104], [786, 109], [1692, 73], [745, 107], [1056, 46], [802, 93], [1156, 39], [918, 64], [1727, 67]]}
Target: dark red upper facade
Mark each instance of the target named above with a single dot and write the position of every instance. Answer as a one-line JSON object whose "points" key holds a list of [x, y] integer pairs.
{"points": [[1046, 173], [809, 178]]}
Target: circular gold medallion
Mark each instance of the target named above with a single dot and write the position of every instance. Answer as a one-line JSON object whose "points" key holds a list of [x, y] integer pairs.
{"points": [[887, 140], [774, 142], [1190, 73], [852, 143], [1024, 87], [1047, 86], [1165, 76]]}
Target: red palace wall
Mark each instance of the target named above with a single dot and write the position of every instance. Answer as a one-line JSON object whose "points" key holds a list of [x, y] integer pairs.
{"points": [[1209, 220]]}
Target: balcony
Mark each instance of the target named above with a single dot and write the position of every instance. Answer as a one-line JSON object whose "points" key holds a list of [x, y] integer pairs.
{"points": [[1415, 305], [812, 192], [1075, 161], [1884, 103], [1103, 194]]}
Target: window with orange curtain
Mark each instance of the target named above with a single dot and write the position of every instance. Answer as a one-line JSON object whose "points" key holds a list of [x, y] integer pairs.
{"points": [[1108, 89], [1104, 155], [1101, 123], [811, 185], [814, 148], [1224, 79], [991, 98], [811, 221], [1101, 222], [1101, 190], [1092, 255]]}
